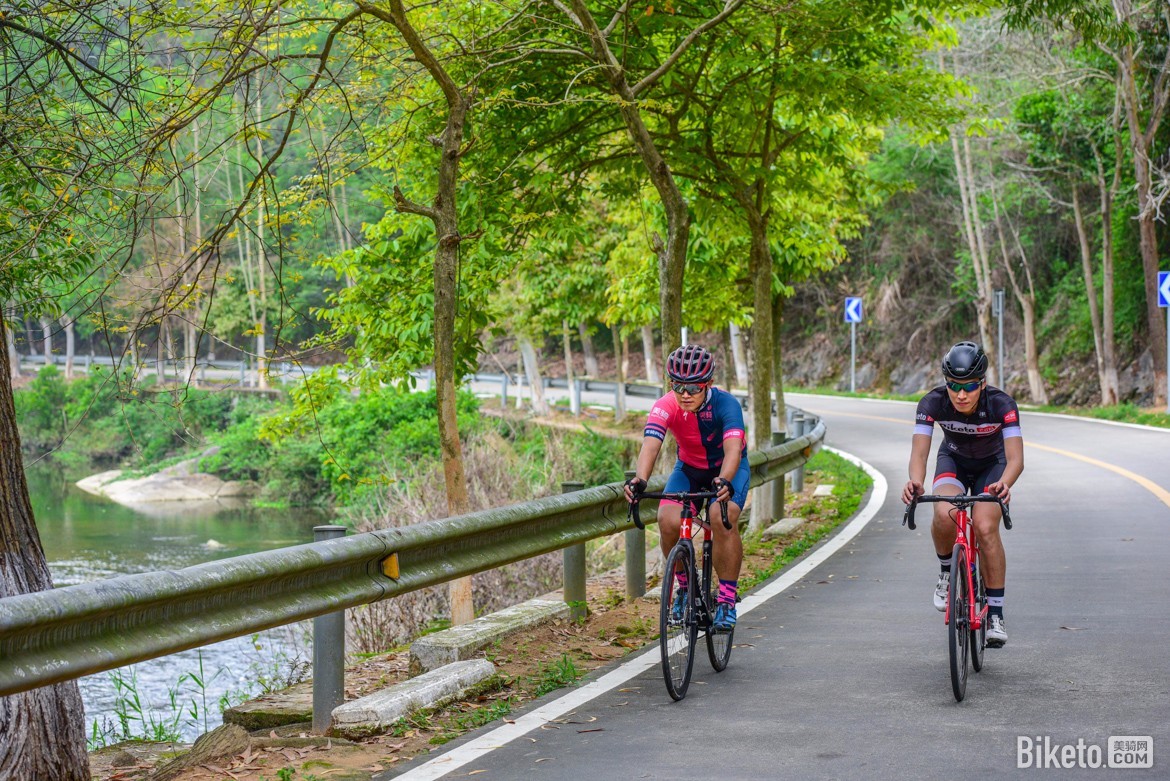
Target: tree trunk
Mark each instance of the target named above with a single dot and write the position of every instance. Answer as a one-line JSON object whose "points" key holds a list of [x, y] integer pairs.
{"points": [[619, 409], [973, 232], [13, 355], [760, 387], [1031, 353], [741, 367], [1141, 141], [47, 335], [67, 327], [532, 371], [591, 367], [1109, 343], [725, 363], [444, 214], [160, 358], [672, 254], [44, 729], [982, 265], [261, 267], [1090, 291], [568, 344], [1027, 300], [778, 365], [649, 356], [31, 336]]}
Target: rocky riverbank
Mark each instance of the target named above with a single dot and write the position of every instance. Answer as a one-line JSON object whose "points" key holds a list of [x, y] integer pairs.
{"points": [[181, 482]]}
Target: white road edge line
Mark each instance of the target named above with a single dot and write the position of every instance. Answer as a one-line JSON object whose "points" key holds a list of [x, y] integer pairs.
{"points": [[639, 663], [1081, 418]]}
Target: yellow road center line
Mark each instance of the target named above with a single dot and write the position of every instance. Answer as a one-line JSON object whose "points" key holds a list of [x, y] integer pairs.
{"points": [[1157, 490], [1144, 482]]}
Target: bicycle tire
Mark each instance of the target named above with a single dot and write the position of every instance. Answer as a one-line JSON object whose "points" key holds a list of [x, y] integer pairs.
{"points": [[676, 639], [979, 636], [958, 630], [718, 643]]}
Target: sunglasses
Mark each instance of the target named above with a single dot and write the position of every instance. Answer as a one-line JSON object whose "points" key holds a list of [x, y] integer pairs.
{"points": [[970, 387], [689, 388]]}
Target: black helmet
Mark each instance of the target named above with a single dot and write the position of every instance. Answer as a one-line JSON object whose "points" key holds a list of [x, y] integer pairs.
{"points": [[965, 361], [690, 363]]}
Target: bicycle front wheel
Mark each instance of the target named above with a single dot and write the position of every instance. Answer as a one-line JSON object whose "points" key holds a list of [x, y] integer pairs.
{"points": [[958, 629], [718, 643], [678, 633], [979, 636]]}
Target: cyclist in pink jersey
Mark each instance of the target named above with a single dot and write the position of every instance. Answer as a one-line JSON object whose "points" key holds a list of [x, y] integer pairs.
{"points": [[707, 423]]}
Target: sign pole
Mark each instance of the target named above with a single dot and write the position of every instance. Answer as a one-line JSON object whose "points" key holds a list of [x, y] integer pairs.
{"points": [[853, 357], [853, 307], [1164, 301]]}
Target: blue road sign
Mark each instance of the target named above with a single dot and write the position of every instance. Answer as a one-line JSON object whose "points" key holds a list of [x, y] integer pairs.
{"points": [[1164, 288], [852, 309]]}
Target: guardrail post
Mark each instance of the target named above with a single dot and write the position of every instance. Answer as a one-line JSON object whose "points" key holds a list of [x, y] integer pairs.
{"points": [[574, 575], [635, 559], [504, 391], [328, 652], [242, 377], [777, 485], [575, 398], [798, 421]]}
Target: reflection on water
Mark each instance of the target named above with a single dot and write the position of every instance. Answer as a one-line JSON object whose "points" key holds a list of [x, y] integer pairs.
{"points": [[89, 538]]}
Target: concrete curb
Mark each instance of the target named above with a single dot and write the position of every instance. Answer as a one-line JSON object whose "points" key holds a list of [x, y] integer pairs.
{"points": [[463, 642], [782, 527], [378, 711]]}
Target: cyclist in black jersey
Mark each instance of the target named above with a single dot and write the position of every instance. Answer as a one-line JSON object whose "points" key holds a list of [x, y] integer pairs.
{"points": [[982, 452]]}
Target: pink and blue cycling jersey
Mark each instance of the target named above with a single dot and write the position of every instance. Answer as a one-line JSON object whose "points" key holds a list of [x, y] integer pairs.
{"points": [[700, 435]]}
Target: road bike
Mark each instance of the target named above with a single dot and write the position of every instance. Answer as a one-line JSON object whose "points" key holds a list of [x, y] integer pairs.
{"points": [[965, 615], [677, 636]]}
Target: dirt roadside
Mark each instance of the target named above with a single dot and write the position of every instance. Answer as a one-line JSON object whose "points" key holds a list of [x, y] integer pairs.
{"points": [[530, 665]]}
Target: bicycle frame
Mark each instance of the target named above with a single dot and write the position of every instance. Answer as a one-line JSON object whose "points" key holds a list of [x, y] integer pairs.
{"points": [[704, 614], [965, 634], [677, 635], [965, 538]]}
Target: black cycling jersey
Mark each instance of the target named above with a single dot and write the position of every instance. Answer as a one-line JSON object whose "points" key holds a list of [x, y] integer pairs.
{"points": [[977, 436]]}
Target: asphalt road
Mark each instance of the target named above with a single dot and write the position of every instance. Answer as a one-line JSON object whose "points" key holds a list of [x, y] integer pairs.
{"points": [[843, 674]]}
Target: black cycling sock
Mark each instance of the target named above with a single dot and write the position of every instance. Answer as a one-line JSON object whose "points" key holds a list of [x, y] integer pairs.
{"points": [[944, 562], [995, 601]]}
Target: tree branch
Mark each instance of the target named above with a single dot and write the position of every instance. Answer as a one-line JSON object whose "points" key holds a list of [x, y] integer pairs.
{"points": [[728, 9]]}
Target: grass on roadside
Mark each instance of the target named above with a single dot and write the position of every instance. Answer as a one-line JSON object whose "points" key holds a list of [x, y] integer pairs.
{"points": [[1122, 413]]}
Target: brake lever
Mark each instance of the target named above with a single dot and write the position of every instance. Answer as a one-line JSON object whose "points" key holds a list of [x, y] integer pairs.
{"points": [[908, 516], [726, 518], [633, 513]]}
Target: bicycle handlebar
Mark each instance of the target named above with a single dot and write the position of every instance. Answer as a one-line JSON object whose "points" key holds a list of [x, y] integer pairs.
{"points": [[682, 497], [958, 500]]}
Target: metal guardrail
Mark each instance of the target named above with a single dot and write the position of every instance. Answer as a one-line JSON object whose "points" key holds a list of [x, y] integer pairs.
{"points": [[52, 636]]}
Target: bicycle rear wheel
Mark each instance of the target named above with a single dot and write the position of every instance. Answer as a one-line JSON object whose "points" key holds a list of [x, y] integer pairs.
{"points": [[677, 637], [958, 628], [979, 636], [718, 643]]}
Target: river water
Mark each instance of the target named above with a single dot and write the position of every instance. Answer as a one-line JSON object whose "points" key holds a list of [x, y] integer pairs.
{"points": [[89, 538]]}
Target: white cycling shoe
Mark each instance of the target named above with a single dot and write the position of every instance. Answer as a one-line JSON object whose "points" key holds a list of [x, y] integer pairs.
{"points": [[996, 632], [940, 591]]}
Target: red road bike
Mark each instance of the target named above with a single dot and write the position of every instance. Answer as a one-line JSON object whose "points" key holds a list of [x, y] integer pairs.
{"points": [[966, 611], [677, 634]]}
